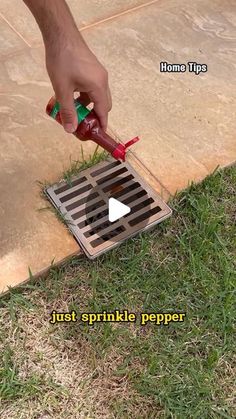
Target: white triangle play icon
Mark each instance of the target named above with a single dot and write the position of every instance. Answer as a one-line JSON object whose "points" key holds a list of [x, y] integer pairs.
{"points": [[117, 210]]}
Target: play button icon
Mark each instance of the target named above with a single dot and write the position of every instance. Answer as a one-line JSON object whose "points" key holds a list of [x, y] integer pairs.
{"points": [[114, 206], [116, 210]]}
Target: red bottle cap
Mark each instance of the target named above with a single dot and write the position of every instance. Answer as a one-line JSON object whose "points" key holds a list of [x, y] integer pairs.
{"points": [[120, 152]]}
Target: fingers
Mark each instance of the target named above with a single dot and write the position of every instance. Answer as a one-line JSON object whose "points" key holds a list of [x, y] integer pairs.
{"points": [[100, 96], [68, 113], [102, 105]]}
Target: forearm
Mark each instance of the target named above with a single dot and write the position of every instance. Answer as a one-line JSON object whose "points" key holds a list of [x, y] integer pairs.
{"points": [[71, 65], [54, 20]]}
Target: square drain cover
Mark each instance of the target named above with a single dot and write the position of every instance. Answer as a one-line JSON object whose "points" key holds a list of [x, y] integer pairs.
{"points": [[84, 205]]}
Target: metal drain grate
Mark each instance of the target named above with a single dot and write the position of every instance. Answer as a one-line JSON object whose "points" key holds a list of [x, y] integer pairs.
{"points": [[84, 205]]}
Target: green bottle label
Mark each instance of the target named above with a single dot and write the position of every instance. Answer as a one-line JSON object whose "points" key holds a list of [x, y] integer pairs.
{"points": [[81, 110], [55, 110]]}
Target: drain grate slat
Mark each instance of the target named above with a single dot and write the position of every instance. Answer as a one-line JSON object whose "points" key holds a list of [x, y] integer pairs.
{"points": [[112, 185], [141, 210], [89, 210], [129, 187], [84, 204], [93, 214], [75, 193], [98, 217], [140, 204], [94, 203], [77, 203], [67, 187], [136, 201], [106, 169], [104, 226], [128, 196], [144, 216], [96, 229], [111, 175], [114, 233]]}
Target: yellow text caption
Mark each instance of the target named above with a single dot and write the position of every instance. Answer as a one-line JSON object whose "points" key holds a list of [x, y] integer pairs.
{"points": [[63, 317], [161, 318], [117, 317]]}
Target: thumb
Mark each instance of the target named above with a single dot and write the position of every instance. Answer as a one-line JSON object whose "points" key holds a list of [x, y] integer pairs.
{"points": [[68, 113]]}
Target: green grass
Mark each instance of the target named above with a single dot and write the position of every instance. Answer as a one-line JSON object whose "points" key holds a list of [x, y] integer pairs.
{"points": [[184, 370], [13, 387], [77, 166]]}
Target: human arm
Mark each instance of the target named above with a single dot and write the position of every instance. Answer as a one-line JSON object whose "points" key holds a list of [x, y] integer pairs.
{"points": [[70, 63]]}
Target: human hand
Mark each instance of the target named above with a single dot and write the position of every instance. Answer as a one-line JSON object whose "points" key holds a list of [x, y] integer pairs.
{"points": [[72, 67]]}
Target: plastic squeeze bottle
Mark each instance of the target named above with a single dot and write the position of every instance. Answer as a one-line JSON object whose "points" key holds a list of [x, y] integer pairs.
{"points": [[89, 128]]}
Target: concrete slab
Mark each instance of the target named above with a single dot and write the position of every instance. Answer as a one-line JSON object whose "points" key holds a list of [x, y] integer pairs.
{"points": [[186, 122], [32, 148], [87, 13], [84, 12], [9, 40]]}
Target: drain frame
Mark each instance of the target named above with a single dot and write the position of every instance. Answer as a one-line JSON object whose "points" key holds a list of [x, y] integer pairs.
{"points": [[93, 177]]}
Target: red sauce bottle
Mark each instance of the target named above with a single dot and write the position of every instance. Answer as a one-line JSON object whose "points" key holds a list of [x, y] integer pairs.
{"points": [[89, 128]]}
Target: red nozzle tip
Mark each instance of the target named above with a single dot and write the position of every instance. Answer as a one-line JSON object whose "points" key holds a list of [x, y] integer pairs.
{"points": [[131, 142], [120, 151]]}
